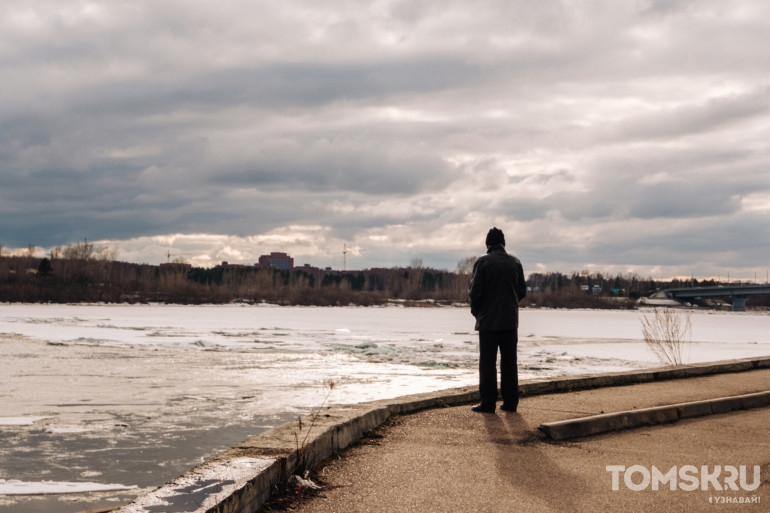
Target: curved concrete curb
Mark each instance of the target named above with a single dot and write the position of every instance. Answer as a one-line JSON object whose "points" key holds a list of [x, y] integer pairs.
{"points": [[240, 479], [597, 424]]}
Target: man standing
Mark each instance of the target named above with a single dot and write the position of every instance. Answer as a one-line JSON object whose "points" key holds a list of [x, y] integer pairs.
{"points": [[497, 285]]}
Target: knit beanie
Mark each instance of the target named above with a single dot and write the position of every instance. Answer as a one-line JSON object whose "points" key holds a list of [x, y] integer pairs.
{"points": [[495, 237]]}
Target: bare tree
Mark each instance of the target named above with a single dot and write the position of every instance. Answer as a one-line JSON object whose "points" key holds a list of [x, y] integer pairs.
{"points": [[79, 251], [108, 254], [465, 266]]}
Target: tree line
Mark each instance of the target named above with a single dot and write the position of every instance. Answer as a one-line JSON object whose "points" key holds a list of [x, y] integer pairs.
{"points": [[80, 273]]}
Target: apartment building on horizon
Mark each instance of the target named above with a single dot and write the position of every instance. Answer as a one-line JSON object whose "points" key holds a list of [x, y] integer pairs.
{"points": [[277, 260]]}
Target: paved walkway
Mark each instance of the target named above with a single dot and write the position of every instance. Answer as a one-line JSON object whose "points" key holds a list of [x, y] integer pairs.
{"points": [[454, 460]]}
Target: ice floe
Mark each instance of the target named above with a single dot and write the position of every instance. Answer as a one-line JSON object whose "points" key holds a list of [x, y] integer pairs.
{"points": [[16, 487]]}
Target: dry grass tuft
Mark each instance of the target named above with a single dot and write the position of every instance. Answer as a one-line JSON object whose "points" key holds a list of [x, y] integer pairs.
{"points": [[667, 334]]}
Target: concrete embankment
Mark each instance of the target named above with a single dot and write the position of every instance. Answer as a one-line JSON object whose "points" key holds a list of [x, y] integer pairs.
{"points": [[240, 479]]}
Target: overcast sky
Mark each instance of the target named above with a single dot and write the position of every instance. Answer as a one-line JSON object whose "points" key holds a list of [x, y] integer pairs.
{"points": [[604, 135]]}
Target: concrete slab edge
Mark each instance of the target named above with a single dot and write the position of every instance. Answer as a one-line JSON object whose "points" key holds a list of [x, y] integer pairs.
{"points": [[224, 485], [597, 424]]}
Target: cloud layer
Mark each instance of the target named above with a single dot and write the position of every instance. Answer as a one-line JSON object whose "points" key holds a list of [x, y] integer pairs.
{"points": [[602, 135]]}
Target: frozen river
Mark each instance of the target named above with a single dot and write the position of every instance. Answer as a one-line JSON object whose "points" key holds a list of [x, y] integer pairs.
{"points": [[103, 401]]}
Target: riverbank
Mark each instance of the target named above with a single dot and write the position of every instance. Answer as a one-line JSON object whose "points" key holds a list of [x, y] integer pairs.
{"points": [[242, 478]]}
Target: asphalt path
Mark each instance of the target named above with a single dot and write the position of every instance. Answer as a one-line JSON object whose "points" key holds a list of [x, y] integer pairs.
{"points": [[454, 460]]}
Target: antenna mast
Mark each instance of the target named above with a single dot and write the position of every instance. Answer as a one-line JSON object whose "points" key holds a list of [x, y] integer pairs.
{"points": [[345, 251]]}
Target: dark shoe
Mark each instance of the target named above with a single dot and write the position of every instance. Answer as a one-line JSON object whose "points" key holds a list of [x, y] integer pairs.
{"points": [[484, 408], [509, 407]]}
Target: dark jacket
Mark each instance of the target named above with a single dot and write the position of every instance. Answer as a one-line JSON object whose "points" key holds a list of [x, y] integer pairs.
{"points": [[496, 287]]}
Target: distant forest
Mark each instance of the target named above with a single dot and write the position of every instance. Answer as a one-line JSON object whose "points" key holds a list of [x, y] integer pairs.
{"points": [[80, 274]]}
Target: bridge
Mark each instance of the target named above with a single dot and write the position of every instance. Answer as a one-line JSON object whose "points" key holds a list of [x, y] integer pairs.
{"points": [[736, 294]]}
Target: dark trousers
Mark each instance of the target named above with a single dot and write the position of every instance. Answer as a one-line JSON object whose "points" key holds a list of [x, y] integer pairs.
{"points": [[489, 342]]}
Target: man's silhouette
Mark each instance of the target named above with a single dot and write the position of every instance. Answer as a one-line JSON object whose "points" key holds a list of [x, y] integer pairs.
{"points": [[496, 287]]}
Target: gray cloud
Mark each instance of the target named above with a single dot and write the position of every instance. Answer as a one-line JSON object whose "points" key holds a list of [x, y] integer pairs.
{"points": [[690, 120], [627, 135], [343, 166]]}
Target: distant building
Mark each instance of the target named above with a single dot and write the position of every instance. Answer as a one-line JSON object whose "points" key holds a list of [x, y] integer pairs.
{"points": [[232, 266], [277, 261]]}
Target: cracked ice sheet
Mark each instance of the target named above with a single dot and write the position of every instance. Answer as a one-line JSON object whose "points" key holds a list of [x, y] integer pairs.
{"points": [[139, 394]]}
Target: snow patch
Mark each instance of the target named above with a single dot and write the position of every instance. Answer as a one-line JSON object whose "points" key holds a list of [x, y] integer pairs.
{"points": [[205, 485], [80, 428], [20, 421], [16, 487]]}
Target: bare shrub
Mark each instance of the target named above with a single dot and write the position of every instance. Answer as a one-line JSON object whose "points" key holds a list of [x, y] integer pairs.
{"points": [[667, 334], [303, 458]]}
